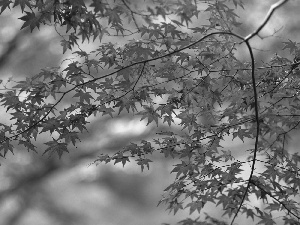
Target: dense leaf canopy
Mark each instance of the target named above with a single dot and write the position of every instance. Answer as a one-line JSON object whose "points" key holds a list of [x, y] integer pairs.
{"points": [[179, 67]]}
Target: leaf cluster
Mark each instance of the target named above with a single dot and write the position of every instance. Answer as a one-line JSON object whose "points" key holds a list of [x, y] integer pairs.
{"points": [[180, 75]]}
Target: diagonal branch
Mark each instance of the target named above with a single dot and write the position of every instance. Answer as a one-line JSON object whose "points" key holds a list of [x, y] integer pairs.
{"points": [[12, 45], [268, 16], [112, 73], [256, 184], [132, 14]]}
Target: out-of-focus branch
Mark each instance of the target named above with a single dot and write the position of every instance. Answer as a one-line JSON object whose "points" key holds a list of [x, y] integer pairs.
{"points": [[39, 176], [268, 16], [29, 179], [11, 46], [13, 43], [26, 185], [22, 208]]}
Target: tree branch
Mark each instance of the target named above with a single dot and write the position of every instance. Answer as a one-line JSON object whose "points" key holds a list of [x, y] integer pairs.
{"points": [[257, 127], [12, 45], [271, 11], [256, 184]]}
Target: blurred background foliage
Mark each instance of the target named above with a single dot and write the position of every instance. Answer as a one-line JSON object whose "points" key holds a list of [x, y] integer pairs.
{"points": [[43, 190]]}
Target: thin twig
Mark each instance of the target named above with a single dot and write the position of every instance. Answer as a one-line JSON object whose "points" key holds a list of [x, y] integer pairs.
{"points": [[132, 14]]}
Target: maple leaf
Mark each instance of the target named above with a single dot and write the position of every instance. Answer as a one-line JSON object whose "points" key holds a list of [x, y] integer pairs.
{"points": [[50, 125], [84, 96], [106, 111], [150, 114], [176, 207], [198, 205], [292, 46], [28, 145], [126, 103], [4, 4], [5, 146], [119, 157], [250, 213], [56, 147], [70, 137], [22, 4], [267, 219], [99, 6], [142, 162], [30, 20], [66, 45], [72, 68]]}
